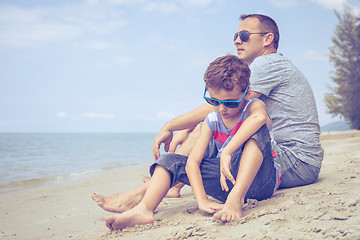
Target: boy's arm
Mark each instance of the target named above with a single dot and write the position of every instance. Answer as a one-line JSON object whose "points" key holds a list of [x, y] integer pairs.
{"points": [[194, 174], [257, 118], [186, 121]]}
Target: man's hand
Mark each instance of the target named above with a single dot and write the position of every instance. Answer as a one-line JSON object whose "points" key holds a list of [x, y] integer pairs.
{"points": [[164, 136], [178, 139], [225, 166]]}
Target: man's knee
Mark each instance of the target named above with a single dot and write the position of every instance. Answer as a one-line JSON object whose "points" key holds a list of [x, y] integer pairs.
{"points": [[186, 147]]}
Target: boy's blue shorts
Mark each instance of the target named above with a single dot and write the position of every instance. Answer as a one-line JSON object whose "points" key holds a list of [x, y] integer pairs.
{"points": [[261, 188]]}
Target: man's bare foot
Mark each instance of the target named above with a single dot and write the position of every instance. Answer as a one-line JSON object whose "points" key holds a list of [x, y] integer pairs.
{"points": [[230, 212], [173, 192], [117, 203], [135, 216], [145, 179]]}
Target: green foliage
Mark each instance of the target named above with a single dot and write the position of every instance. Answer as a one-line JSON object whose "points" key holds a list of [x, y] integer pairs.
{"points": [[344, 99]]}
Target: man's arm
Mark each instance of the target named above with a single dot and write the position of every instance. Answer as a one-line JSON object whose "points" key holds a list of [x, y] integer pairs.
{"points": [[186, 121]]}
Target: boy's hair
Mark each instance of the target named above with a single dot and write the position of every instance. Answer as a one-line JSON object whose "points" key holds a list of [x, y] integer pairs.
{"points": [[227, 72], [267, 24]]}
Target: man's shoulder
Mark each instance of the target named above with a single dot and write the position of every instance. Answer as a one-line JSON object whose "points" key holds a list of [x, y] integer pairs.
{"points": [[269, 58]]}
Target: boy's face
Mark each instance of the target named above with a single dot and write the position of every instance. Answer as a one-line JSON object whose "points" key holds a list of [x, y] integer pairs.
{"points": [[224, 95]]}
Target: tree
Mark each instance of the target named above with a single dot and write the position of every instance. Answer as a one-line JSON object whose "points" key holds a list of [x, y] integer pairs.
{"points": [[344, 100]]}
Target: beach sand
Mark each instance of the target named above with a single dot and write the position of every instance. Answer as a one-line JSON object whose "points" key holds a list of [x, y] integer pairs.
{"points": [[327, 209]]}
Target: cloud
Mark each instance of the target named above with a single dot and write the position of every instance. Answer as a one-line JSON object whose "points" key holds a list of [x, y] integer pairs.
{"points": [[162, 7], [165, 115], [315, 56], [32, 27], [196, 3], [86, 115], [157, 116], [61, 114], [99, 115], [330, 4], [284, 3]]}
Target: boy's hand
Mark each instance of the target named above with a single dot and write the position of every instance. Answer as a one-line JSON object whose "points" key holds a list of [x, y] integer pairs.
{"points": [[209, 206], [225, 166]]}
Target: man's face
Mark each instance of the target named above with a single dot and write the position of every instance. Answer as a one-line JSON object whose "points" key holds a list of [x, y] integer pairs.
{"points": [[254, 47]]}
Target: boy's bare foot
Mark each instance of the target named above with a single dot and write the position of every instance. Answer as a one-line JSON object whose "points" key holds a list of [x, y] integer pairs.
{"points": [[230, 212], [117, 203], [173, 192], [135, 216]]}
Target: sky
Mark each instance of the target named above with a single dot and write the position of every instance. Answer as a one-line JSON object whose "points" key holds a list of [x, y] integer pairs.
{"points": [[132, 65]]}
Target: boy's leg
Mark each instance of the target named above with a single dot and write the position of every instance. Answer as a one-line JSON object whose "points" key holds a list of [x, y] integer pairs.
{"points": [[254, 166], [143, 213], [250, 163]]}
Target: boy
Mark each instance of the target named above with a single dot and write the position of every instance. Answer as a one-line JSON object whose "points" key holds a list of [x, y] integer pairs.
{"points": [[247, 149]]}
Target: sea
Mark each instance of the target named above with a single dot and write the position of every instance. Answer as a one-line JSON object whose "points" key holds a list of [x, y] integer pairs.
{"points": [[34, 159]]}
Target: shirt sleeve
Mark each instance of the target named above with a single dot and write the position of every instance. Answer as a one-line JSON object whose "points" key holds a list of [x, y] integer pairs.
{"points": [[264, 75]]}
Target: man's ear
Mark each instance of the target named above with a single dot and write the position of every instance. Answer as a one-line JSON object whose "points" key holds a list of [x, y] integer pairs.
{"points": [[269, 39]]}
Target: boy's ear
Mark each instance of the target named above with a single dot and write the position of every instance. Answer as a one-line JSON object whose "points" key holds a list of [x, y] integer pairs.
{"points": [[247, 94]]}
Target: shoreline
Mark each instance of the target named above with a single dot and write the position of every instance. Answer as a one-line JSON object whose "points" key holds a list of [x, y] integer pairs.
{"points": [[27, 184], [329, 208]]}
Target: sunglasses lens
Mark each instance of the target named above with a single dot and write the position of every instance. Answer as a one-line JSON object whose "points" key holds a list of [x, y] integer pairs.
{"points": [[235, 36], [244, 35], [212, 102], [231, 104]]}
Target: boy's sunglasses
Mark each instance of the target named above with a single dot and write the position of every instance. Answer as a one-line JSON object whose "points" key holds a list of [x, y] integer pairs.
{"points": [[244, 35], [227, 103]]}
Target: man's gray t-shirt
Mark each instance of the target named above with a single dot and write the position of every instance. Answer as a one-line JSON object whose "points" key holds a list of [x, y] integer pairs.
{"points": [[291, 106]]}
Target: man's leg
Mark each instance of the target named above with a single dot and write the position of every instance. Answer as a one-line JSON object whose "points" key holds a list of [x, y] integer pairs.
{"points": [[294, 172], [121, 202], [143, 213]]}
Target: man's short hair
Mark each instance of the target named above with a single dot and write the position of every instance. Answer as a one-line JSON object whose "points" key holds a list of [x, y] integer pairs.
{"points": [[267, 25]]}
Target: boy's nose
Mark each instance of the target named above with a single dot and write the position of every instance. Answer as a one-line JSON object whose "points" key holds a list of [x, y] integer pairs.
{"points": [[222, 107]]}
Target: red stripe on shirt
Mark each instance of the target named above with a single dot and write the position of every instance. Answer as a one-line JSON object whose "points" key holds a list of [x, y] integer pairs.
{"points": [[221, 137]]}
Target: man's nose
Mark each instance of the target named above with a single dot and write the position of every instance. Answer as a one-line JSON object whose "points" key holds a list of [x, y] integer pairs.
{"points": [[237, 40]]}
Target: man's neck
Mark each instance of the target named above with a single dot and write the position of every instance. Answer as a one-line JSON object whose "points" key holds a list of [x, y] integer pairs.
{"points": [[269, 51], [266, 51]]}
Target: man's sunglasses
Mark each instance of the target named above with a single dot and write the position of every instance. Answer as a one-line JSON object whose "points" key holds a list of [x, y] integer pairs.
{"points": [[227, 103], [244, 35]]}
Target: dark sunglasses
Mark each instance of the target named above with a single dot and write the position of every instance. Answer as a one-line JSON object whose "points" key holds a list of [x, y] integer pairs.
{"points": [[244, 35], [227, 103]]}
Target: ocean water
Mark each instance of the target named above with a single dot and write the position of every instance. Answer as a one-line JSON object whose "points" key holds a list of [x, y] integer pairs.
{"points": [[32, 159]]}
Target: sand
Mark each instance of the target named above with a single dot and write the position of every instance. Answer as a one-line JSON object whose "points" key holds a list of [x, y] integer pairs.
{"points": [[327, 209]]}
